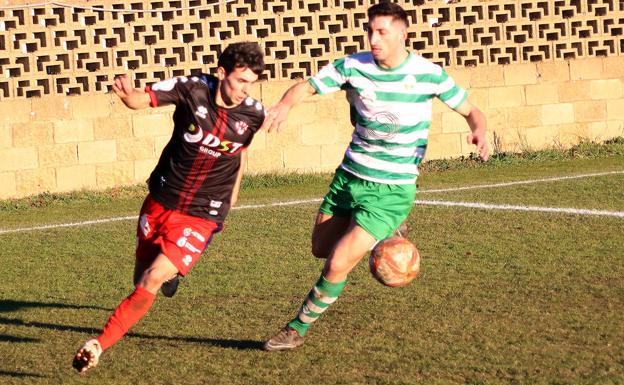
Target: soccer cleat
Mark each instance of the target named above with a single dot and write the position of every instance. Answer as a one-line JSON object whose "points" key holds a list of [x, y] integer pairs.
{"points": [[169, 288], [87, 356], [285, 339], [401, 231]]}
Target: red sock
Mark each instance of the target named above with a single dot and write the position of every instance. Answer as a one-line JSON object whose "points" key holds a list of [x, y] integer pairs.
{"points": [[129, 312]]}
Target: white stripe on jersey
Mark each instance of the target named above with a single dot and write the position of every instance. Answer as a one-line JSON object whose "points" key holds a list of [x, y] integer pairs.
{"points": [[378, 179], [407, 114], [379, 164], [398, 87], [394, 138]]}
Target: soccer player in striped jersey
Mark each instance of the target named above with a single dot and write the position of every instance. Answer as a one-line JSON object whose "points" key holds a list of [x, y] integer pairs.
{"points": [[390, 91], [194, 184]]}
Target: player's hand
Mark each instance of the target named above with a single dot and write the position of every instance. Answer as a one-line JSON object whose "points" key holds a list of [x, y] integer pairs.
{"points": [[122, 86], [275, 118], [480, 141]]}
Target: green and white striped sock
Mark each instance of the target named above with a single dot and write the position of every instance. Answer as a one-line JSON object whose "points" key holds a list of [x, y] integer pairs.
{"points": [[323, 294]]}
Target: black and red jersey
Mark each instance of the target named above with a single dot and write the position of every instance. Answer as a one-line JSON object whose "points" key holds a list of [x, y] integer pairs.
{"points": [[197, 169]]}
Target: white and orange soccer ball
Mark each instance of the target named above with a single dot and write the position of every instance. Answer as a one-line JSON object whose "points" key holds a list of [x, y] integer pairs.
{"points": [[394, 262]]}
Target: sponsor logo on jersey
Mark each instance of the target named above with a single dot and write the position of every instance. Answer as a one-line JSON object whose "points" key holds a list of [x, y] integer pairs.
{"points": [[213, 212], [202, 112], [215, 204], [194, 134], [241, 127], [211, 144], [409, 82]]}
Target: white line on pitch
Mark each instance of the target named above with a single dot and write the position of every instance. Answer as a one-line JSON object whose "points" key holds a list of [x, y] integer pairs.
{"points": [[72, 224], [488, 206], [519, 182], [438, 203]]}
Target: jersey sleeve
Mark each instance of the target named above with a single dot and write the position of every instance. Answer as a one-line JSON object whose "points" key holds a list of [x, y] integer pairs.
{"points": [[449, 92], [166, 92], [259, 115], [330, 78]]}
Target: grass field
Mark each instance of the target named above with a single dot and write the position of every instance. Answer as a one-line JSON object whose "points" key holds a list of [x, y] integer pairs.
{"points": [[504, 296]]}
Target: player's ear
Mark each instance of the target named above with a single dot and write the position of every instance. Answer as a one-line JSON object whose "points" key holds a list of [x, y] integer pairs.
{"points": [[221, 74], [403, 34]]}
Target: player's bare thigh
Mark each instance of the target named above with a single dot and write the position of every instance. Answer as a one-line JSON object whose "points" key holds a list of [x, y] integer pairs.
{"points": [[348, 251], [158, 272], [328, 229]]}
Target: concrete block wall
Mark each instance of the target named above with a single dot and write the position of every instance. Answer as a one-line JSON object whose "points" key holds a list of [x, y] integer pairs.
{"points": [[64, 143]]}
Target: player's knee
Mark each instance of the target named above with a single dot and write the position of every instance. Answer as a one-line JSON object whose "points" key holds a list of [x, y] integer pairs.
{"points": [[338, 266], [153, 278]]}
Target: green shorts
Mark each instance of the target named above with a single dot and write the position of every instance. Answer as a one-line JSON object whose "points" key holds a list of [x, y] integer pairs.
{"points": [[378, 208]]}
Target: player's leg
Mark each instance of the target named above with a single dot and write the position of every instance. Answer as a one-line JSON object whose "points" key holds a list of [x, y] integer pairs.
{"points": [[328, 229], [136, 305], [334, 216], [379, 210], [180, 240], [348, 251], [128, 313], [168, 288], [344, 257], [168, 243]]}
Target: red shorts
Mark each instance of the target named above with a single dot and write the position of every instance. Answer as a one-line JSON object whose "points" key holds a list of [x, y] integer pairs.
{"points": [[180, 237]]}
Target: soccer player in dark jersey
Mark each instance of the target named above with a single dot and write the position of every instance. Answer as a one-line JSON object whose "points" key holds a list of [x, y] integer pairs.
{"points": [[194, 184]]}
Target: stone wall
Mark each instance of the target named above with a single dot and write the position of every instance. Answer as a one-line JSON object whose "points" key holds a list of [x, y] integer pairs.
{"points": [[544, 72]]}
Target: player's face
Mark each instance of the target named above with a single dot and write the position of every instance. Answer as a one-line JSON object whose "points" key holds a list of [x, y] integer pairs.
{"points": [[235, 86], [387, 39]]}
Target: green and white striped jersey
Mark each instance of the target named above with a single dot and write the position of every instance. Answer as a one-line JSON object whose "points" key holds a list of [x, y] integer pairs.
{"points": [[391, 111]]}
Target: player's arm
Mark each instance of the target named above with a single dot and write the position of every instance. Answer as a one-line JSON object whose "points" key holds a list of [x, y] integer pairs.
{"points": [[477, 123], [276, 116], [239, 178], [130, 96]]}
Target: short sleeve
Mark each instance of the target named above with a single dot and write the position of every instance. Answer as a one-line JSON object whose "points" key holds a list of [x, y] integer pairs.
{"points": [[166, 92], [330, 78], [449, 92]]}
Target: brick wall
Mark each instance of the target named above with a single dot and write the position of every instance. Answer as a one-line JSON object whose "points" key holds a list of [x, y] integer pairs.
{"points": [[544, 72], [57, 143]]}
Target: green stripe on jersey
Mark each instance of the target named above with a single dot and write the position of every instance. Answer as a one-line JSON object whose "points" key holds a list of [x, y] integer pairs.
{"points": [[383, 155], [388, 145], [450, 93], [403, 98], [396, 78]]}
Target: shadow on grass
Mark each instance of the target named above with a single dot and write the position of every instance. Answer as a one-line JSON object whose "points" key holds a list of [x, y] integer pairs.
{"points": [[9, 305], [233, 344], [8, 338], [4, 373]]}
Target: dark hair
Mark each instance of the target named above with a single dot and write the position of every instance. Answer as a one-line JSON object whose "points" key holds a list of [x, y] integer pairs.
{"points": [[246, 54], [387, 8]]}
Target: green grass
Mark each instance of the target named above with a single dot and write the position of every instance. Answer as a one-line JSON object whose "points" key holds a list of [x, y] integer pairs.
{"points": [[504, 297]]}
